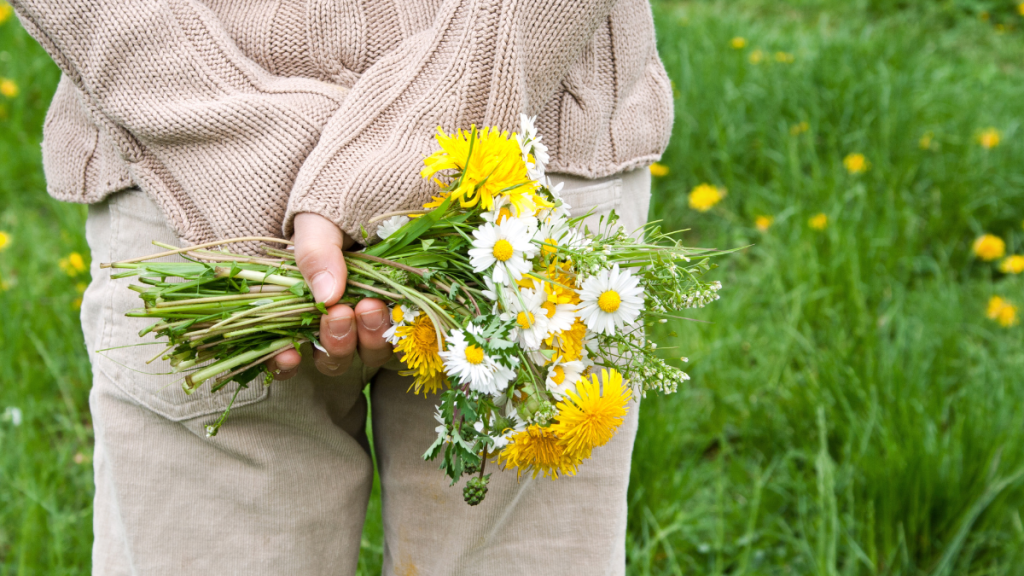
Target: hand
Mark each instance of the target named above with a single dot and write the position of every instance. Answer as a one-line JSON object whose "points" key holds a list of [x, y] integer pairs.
{"points": [[343, 331]]}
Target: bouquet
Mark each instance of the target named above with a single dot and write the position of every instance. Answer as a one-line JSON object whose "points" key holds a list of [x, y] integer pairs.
{"points": [[526, 323]]}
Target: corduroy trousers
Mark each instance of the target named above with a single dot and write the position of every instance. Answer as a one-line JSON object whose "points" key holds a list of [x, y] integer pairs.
{"points": [[283, 488]]}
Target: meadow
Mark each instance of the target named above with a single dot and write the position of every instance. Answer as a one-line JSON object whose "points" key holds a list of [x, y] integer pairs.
{"points": [[854, 409]]}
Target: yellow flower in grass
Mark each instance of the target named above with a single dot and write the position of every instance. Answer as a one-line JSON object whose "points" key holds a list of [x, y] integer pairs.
{"points": [[658, 170], [989, 138], [799, 128], [589, 417], [1012, 264], [856, 163], [705, 196], [419, 350], [538, 450], [784, 57], [1020, 8], [756, 57], [5, 11], [8, 88], [763, 223], [73, 265], [1002, 311], [738, 43], [925, 143], [76, 304], [491, 164], [989, 247], [819, 221], [5, 239]]}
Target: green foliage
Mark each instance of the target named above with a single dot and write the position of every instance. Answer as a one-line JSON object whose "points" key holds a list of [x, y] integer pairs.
{"points": [[851, 410]]}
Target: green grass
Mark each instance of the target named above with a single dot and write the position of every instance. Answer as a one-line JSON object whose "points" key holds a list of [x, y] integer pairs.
{"points": [[852, 410]]}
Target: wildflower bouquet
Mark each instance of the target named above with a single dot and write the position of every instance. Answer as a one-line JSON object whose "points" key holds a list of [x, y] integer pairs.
{"points": [[526, 322]]}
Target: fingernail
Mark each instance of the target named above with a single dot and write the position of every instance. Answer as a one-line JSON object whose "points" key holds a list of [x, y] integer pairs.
{"points": [[332, 366], [322, 285], [339, 327], [373, 320]]}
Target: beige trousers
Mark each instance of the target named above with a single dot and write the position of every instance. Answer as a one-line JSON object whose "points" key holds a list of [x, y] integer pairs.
{"points": [[283, 488]]}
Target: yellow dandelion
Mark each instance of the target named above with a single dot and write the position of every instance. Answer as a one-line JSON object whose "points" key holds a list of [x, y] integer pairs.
{"points": [[984, 16], [419, 349], [589, 417], [763, 223], [538, 450], [5, 239], [5, 11], [560, 288], [799, 128], [925, 143], [1012, 264], [989, 247], [658, 170], [705, 196], [856, 163], [1002, 311], [756, 57], [784, 57], [1020, 8], [73, 265], [819, 221], [80, 287], [989, 138], [491, 164], [8, 88], [5, 285], [738, 43], [568, 344], [76, 304]]}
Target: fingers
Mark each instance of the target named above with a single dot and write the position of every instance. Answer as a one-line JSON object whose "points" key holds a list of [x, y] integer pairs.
{"points": [[338, 335], [318, 246], [374, 319], [284, 365]]}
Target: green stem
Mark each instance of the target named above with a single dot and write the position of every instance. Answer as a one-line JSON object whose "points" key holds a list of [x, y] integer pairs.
{"points": [[195, 379]]}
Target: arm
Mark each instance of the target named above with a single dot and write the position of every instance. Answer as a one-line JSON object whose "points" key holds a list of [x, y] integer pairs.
{"points": [[194, 117], [199, 124], [482, 62]]}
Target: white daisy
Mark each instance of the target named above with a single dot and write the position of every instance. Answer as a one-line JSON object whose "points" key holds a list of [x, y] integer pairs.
{"points": [[390, 226], [530, 317], [610, 300], [502, 209], [529, 143], [550, 235], [471, 364], [400, 316], [507, 247], [562, 377], [560, 316]]}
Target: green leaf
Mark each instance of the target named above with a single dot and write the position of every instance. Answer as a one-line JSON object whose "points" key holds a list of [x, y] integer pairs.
{"points": [[427, 243], [298, 288], [320, 306]]}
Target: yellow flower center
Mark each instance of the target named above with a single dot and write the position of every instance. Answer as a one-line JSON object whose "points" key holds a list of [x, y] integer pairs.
{"points": [[397, 315], [525, 320], [474, 354], [549, 247], [549, 308], [425, 337], [502, 250], [609, 301], [558, 375]]}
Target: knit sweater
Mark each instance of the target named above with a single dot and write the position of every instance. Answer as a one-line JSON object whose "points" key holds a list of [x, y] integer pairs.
{"points": [[235, 115]]}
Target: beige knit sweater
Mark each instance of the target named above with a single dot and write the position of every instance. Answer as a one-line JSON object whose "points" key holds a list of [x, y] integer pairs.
{"points": [[235, 115]]}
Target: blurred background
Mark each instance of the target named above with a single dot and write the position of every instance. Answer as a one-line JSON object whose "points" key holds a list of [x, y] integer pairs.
{"points": [[857, 401]]}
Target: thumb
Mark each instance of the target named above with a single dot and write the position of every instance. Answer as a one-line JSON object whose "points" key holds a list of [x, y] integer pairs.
{"points": [[318, 246]]}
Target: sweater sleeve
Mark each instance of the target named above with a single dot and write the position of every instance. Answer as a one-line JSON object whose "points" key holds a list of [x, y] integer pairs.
{"points": [[203, 129], [481, 62]]}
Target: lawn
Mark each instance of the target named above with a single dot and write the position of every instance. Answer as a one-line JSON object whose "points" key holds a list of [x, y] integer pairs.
{"points": [[853, 409]]}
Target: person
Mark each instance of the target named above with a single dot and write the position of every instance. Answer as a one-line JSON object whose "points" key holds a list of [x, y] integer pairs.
{"points": [[189, 121]]}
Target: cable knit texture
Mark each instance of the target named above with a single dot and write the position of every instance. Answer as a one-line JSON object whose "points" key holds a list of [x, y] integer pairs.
{"points": [[235, 115]]}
